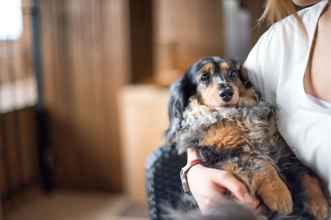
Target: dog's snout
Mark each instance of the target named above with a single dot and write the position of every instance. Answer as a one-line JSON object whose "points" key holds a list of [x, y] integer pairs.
{"points": [[226, 94]]}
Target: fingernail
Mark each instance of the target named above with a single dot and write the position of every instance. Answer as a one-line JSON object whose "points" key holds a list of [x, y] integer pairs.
{"points": [[252, 200], [249, 198], [257, 203]]}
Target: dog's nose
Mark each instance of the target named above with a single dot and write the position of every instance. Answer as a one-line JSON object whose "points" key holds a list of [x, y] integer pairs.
{"points": [[226, 94]]}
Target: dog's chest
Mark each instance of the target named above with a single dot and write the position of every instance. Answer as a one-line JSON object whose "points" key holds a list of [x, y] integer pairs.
{"points": [[226, 135], [230, 128]]}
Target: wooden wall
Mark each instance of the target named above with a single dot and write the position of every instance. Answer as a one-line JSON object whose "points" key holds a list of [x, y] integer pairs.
{"points": [[86, 56], [18, 150], [185, 31], [86, 60], [18, 145], [141, 40]]}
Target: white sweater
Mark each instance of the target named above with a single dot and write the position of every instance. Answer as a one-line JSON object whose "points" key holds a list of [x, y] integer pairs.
{"points": [[276, 66]]}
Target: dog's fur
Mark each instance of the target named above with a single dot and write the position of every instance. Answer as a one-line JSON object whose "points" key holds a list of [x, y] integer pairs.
{"points": [[214, 109]]}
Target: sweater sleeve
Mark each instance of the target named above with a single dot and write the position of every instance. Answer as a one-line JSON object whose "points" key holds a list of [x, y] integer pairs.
{"points": [[259, 66]]}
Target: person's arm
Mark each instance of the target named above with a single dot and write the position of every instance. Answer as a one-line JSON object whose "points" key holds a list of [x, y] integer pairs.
{"points": [[208, 185]]}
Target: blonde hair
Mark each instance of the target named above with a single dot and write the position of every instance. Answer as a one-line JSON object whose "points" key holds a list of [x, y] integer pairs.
{"points": [[276, 10]]}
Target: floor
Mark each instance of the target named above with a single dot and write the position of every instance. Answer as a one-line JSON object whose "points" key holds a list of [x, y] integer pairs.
{"points": [[76, 206]]}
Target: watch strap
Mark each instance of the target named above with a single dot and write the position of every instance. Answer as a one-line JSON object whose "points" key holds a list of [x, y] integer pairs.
{"points": [[183, 174]]}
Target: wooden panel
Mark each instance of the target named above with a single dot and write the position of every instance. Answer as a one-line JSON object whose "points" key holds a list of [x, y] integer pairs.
{"points": [[27, 128], [141, 40], [12, 146], [3, 178], [185, 31], [18, 150], [1, 211], [85, 62], [18, 165]]}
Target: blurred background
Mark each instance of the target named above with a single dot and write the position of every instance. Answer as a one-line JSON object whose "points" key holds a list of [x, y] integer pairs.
{"points": [[83, 95]]}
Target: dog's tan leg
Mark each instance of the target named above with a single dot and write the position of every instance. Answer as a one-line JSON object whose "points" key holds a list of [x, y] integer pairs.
{"points": [[264, 182], [316, 203], [270, 187]]}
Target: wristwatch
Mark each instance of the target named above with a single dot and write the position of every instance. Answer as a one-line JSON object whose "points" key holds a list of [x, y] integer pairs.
{"points": [[183, 174]]}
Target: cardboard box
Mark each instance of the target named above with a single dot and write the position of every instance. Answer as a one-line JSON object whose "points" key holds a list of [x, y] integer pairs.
{"points": [[143, 122]]}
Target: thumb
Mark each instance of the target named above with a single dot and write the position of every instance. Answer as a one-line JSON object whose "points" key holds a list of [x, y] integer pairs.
{"points": [[236, 187]]}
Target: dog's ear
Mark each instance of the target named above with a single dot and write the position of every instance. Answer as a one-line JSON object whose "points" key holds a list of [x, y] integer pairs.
{"points": [[180, 92], [243, 75]]}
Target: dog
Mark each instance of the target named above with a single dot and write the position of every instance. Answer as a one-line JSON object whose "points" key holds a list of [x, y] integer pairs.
{"points": [[215, 110]]}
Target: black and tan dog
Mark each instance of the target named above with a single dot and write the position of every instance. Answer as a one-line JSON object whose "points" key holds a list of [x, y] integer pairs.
{"points": [[214, 109]]}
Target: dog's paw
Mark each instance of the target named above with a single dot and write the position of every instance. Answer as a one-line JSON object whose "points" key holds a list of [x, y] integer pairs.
{"points": [[273, 191], [316, 202], [278, 198], [318, 208]]}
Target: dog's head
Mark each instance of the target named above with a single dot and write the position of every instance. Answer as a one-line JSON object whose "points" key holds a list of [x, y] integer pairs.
{"points": [[215, 82]]}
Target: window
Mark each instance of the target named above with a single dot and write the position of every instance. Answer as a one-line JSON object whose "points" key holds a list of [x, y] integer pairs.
{"points": [[11, 19]]}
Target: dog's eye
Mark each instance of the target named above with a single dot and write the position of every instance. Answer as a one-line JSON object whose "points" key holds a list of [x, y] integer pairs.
{"points": [[205, 77], [233, 74]]}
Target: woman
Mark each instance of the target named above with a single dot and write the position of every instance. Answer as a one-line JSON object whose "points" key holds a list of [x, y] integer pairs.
{"points": [[291, 66]]}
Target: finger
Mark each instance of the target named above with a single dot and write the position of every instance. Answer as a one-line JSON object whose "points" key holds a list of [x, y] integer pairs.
{"points": [[228, 181], [255, 205], [237, 188], [258, 209], [205, 203], [208, 203], [219, 188]]}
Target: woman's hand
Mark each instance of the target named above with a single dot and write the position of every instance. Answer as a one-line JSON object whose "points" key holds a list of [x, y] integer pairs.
{"points": [[208, 186]]}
